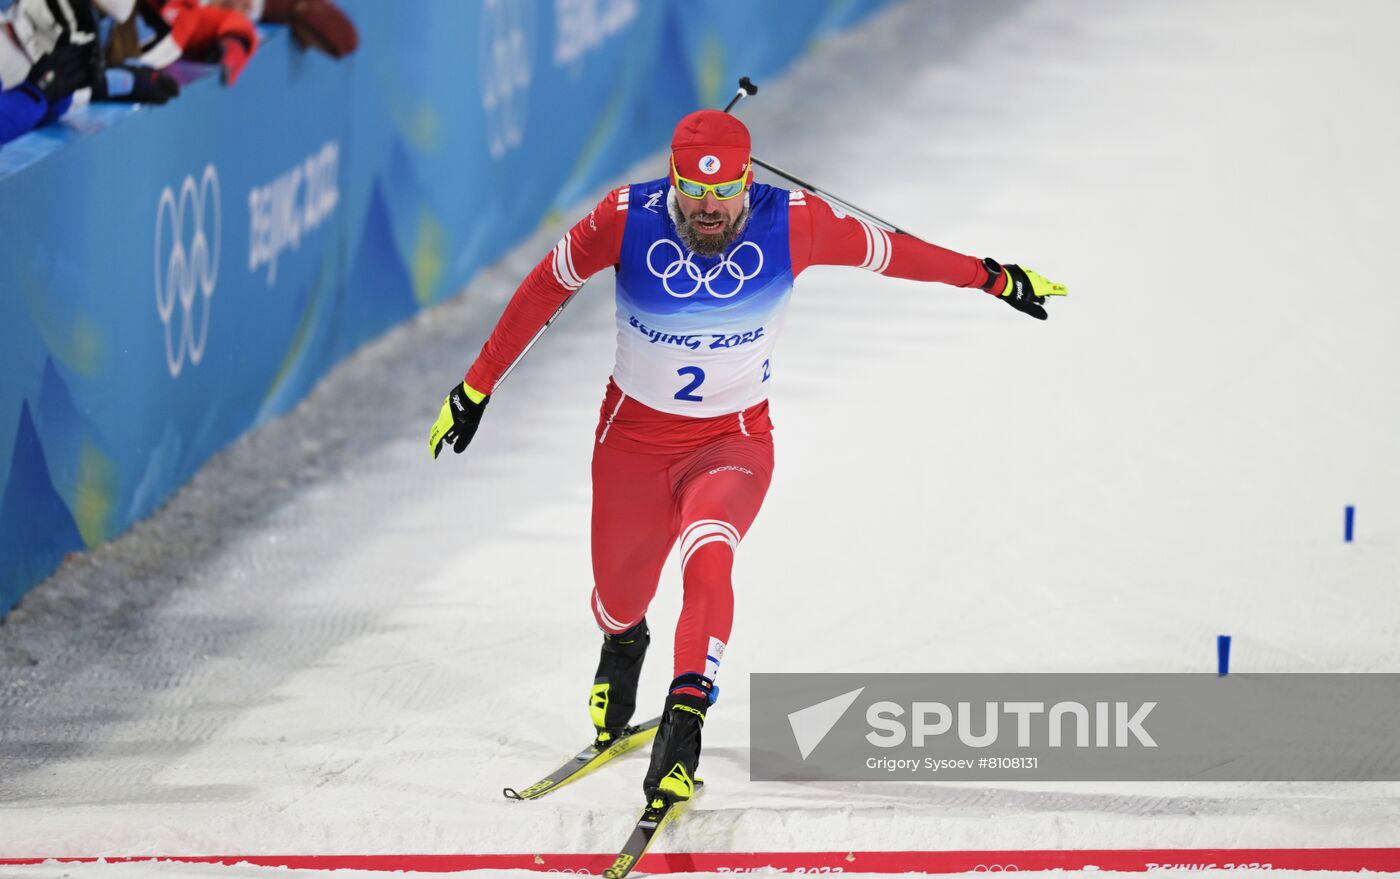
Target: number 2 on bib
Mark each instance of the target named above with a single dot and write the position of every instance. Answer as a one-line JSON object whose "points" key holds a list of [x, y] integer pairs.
{"points": [[697, 378]]}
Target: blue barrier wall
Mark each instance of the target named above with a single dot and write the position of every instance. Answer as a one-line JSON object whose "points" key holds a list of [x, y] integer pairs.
{"points": [[172, 277]]}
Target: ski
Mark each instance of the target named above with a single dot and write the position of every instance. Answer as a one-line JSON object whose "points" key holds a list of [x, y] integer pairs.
{"points": [[587, 760], [654, 820]]}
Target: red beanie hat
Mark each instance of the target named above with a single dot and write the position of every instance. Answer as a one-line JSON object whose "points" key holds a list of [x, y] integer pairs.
{"points": [[711, 146]]}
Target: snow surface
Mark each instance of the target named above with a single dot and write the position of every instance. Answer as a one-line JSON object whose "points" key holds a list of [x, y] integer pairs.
{"points": [[328, 643]]}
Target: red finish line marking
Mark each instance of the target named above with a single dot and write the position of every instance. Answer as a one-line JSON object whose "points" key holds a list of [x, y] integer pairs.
{"points": [[1382, 860]]}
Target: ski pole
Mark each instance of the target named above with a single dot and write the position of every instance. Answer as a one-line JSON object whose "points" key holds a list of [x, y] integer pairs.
{"points": [[558, 311], [747, 88]]}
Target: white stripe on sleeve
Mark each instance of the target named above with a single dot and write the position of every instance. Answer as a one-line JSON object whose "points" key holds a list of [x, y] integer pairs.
{"points": [[564, 265], [877, 243]]}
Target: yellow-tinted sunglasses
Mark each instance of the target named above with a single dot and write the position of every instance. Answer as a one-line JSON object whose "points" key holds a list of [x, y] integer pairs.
{"points": [[697, 190]]}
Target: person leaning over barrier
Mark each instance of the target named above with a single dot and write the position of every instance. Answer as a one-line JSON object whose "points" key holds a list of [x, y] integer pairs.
{"points": [[223, 32], [50, 61]]}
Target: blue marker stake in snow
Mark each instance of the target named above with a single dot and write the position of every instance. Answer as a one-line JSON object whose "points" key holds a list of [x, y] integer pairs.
{"points": [[1350, 525], [1222, 651]]}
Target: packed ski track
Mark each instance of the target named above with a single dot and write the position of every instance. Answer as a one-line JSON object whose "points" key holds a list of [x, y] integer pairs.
{"points": [[329, 643]]}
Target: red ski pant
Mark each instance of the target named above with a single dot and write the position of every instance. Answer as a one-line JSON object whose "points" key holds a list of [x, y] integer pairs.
{"points": [[701, 500]]}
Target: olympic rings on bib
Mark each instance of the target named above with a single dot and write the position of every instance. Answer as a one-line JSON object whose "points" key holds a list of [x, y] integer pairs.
{"points": [[727, 265]]}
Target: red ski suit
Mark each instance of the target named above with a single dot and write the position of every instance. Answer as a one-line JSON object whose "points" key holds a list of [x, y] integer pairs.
{"points": [[661, 477]]}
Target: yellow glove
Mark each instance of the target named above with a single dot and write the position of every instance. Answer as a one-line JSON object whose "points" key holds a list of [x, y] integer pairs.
{"points": [[1025, 290], [458, 419]]}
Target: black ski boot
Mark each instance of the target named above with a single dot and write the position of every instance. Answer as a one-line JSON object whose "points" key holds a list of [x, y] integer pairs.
{"points": [[675, 755], [613, 698]]}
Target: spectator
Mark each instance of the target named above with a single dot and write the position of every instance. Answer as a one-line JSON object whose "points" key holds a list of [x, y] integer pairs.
{"points": [[219, 33], [50, 59], [222, 31]]}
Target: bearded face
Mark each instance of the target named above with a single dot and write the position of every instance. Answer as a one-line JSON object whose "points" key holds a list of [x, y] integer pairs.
{"points": [[709, 225]]}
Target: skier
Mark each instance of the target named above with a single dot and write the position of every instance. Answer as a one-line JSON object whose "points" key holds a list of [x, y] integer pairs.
{"points": [[705, 261]]}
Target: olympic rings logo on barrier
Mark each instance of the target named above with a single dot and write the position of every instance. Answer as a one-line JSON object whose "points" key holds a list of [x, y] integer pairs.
{"points": [[995, 868], [187, 244], [728, 265], [505, 65]]}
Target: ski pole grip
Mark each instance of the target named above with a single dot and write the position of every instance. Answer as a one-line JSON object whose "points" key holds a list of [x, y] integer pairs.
{"points": [[746, 88]]}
